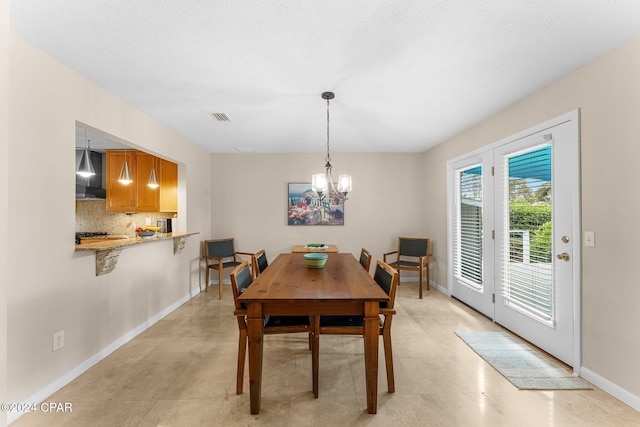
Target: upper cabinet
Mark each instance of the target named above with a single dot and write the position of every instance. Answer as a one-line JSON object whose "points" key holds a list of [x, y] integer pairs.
{"points": [[120, 197], [138, 196], [168, 180]]}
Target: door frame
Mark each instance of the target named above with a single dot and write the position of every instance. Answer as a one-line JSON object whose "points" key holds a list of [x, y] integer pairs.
{"points": [[574, 118]]}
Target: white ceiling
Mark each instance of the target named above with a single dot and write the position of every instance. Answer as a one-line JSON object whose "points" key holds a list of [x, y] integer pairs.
{"points": [[406, 74]]}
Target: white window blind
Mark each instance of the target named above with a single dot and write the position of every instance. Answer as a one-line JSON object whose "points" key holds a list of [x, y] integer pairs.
{"points": [[468, 231], [526, 258]]}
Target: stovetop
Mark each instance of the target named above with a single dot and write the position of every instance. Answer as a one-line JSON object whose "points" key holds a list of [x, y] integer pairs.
{"points": [[85, 234], [91, 233]]}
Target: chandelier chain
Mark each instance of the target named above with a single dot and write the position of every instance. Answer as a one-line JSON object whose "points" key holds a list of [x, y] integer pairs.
{"points": [[328, 159]]}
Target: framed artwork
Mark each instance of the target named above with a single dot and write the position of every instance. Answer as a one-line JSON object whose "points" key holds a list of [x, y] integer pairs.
{"points": [[306, 208]]}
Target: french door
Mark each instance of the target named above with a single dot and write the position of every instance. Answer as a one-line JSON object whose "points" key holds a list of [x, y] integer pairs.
{"points": [[514, 234], [473, 212]]}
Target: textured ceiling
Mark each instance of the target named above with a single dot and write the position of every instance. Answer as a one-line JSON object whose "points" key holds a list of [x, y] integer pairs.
{"points": [[406, 74]]}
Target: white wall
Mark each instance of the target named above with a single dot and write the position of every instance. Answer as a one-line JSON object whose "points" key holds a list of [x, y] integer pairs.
{"points": [[249, 201], [607, 92], [50, 287]]}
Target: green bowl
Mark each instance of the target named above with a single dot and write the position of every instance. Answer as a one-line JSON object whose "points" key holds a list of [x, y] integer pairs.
{"points": [[315, 260]]}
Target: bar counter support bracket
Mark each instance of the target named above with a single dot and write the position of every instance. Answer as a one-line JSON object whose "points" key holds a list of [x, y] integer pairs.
{"points": [[178, 244], [106, 260]]}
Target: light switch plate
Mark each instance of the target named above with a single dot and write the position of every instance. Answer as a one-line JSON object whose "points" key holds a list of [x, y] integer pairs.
{"points": [[590, 239]]}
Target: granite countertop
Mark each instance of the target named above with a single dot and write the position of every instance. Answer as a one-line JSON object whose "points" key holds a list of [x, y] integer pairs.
{"points": [[115, 243]]}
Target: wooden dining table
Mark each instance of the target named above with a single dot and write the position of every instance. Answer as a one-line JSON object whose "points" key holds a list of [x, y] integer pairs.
{"points": [[289, 287]]}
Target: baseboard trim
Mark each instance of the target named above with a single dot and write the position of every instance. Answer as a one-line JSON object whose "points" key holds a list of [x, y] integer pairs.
{"points": [[611, 388], [42, 394], [433, 284]]}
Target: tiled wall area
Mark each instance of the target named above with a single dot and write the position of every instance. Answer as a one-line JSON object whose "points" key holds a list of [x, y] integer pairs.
{"points": [[92, 216]]}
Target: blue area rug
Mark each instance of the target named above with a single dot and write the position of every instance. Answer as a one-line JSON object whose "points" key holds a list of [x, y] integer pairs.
{"points": [[526, 367]]}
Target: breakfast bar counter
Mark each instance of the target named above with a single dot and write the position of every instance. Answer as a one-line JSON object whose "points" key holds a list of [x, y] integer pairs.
{"points": [[107, 250]]}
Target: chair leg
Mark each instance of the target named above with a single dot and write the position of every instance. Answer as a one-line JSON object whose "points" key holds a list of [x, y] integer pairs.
{"points": [[388, 358], [421, 283], [242, 351], [220, 282], [315, 353], [428, 279], [206, 285]]}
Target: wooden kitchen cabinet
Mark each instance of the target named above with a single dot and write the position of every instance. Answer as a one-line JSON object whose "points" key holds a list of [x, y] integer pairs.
{"points": [[138, 196], [147, 198], [168, 180], [120, 197]]}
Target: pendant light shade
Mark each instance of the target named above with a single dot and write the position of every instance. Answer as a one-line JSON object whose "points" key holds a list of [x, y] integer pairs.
{"points": [[125, 175], [344, 183], [85, 168], [153, 181]]}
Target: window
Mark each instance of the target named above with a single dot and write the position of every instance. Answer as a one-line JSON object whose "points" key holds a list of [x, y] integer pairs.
{"points": [[468, 260]]}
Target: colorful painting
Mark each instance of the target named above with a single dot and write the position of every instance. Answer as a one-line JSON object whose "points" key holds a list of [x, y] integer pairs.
{"points": [[306, 208]]}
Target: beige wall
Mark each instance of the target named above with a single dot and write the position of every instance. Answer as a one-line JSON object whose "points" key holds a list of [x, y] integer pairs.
{"points": [[608, 95], [50, 287], [4, 193], [244, 196], [249, 201]]}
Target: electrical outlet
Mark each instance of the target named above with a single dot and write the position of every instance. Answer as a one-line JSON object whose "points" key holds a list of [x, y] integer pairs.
{"points": [[590, 239], [58, 340], [147, 221]]}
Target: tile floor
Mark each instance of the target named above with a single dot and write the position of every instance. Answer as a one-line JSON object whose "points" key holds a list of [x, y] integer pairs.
{"points": [[181, 372]]}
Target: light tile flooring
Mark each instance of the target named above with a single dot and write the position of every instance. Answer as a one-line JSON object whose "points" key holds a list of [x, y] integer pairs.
{"points": [[181, 372]]}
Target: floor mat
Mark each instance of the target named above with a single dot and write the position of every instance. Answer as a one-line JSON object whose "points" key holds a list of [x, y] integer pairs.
{"points": [[526, 367]]}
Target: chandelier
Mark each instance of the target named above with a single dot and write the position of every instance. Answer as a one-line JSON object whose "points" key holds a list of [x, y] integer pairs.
{"points": [[322, 183]]}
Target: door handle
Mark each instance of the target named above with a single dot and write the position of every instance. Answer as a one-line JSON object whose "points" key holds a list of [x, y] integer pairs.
{"points": [[565, 256]]}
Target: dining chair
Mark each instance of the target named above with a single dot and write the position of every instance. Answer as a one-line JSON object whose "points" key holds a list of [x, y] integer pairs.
{"points": [[259, 263], [413, 254], [387, 278], [241, 278], [220, 255], [365, 259]]}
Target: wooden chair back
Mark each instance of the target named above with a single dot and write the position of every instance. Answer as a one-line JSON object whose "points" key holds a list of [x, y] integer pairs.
{"points": [[219, 248], [260, 263], [365, 259], [241, 278], [387, 278], [415, 247]]}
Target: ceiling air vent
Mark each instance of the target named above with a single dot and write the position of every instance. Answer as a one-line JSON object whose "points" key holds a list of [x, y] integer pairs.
{"points": [[245, 149], [220, 117]]}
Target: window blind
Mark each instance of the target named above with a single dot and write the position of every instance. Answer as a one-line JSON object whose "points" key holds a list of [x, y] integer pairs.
{"points": [[468, 238], [526, 258]]}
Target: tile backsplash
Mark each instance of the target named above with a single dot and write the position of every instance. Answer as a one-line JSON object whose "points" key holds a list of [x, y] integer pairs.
{"points": [[92, 215]]}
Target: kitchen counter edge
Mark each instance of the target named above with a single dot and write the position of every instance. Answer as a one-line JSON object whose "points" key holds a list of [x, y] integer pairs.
{"points": [[120, 243]]}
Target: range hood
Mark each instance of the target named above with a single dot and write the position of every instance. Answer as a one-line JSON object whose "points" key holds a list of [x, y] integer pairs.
{"points": [[92, 188]]}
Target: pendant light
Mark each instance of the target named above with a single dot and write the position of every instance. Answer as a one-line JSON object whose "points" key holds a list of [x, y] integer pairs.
{"points": [[321, 183], [125, 176], [85, 168], [153, 181]]}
